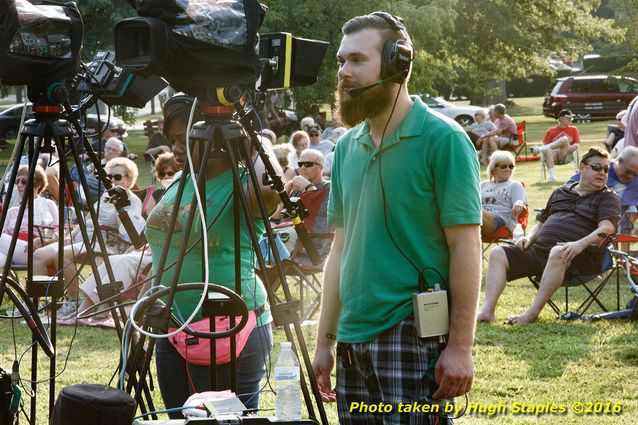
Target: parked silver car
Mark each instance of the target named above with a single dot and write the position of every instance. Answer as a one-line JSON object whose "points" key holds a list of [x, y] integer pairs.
{"points": [[463, 114]]}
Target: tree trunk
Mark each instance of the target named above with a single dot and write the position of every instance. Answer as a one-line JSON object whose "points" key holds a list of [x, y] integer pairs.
{"points": [[495, 92], [19, 94]]}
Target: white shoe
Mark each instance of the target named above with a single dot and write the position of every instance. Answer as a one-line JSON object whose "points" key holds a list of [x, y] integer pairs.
{"points": [[68, 309], [536, 150], [551, 179]]}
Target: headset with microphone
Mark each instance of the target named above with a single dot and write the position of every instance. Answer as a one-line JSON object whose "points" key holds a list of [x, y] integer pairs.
{"points": [[396, 57], [360, 90]]}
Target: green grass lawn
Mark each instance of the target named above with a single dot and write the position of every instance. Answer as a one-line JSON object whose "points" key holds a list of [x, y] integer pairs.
{"points": [[550, 361]]}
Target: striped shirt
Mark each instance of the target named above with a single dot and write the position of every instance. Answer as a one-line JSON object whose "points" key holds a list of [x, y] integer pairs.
{"points": [[570, 216]]}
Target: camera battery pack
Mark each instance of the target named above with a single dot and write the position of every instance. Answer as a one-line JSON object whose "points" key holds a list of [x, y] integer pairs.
{"points": [[431, 313]]}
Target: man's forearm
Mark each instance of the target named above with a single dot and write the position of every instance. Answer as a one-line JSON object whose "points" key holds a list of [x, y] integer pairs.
{"points": [[464, 287], [330, 303], [593, 238], [533, 234]]}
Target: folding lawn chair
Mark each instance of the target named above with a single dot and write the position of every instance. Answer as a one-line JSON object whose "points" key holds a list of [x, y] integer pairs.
{"points": [[522, 141], [593, 285], [503, 234], [299, 271]]}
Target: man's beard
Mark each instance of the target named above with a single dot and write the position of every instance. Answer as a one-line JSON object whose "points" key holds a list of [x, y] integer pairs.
{"points": [[370, 104]]}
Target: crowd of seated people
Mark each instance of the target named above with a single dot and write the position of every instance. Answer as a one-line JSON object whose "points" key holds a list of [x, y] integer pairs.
{"points": [[575, 217], [130, 265], [503, 198], [126, 261], [122, 172], [569, 226]]}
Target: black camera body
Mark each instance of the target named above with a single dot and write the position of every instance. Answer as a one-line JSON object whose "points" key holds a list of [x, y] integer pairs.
{"points": [[208, 45], [199, 51], [118, 86], [199, 47], [40, 43]]}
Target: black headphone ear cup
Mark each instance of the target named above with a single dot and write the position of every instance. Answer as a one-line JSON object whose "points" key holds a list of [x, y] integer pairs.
{"points": [[387, 62], [396, 58]]}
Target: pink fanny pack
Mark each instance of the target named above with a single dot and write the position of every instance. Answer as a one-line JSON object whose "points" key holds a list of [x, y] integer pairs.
{"points": [[197, 350]]}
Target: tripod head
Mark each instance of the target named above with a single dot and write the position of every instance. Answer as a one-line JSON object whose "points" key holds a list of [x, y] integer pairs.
{"points": [[237, 122]]}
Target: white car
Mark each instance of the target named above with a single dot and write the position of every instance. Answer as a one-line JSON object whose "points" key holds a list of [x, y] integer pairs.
{"points": [[463, 114]]}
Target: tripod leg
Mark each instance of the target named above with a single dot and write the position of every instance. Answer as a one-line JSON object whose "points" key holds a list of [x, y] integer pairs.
{"points": [[65, 176], [296, 325]]}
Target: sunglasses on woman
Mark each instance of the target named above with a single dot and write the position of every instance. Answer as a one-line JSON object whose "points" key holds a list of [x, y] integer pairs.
{"points": [[504, 166], [166, 174], [116, 177], [21, 181]]}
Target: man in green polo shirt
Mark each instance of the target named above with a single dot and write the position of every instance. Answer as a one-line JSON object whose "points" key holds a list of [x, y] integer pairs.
{"points": [[405, 202]]}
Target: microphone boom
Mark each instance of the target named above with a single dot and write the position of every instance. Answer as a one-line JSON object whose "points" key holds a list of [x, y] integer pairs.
{"points": [[360, 90]]}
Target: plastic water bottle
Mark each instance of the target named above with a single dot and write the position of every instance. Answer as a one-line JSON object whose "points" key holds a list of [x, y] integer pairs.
{"points": [[518, 232], [47, 221], [287, 384]]}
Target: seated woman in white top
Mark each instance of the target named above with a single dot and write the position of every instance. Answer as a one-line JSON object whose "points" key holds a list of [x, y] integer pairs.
{"points": [[122, 172], [503, 199], [45, 213]]}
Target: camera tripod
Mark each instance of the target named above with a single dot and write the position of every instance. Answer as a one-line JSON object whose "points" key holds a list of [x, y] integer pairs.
{"points": [[232, 141], [48, 132]]}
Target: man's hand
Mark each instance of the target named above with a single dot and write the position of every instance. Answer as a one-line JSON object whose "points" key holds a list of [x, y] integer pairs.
{"points": [[322, 366], [454, 372], [299, 183], [570, 250], [523, 243]]}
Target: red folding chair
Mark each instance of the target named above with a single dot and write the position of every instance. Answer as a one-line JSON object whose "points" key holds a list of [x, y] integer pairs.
{"points": [[522, 144], [299, 271], [503, 234]]}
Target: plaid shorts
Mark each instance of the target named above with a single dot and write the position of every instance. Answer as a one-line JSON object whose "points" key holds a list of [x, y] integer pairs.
{"points": [[390, 379]]}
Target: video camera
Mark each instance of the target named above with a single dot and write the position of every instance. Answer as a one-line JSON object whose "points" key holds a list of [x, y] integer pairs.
{"points": [[199, 47], [39, 43], [40, 46]]}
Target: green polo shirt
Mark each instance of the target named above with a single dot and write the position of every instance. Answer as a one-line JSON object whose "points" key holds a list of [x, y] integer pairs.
{"points": [[430, 174]]}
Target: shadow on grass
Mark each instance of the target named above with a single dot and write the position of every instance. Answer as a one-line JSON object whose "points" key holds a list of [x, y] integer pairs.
{"points": [[624, 347], [547, 348]]}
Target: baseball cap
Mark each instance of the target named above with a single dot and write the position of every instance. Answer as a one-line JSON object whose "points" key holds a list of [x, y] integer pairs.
{"points": [[117, 125], [566, 113]]}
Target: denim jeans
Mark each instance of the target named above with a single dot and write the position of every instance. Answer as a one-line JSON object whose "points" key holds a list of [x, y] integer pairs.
{"points": [[251, 366]]}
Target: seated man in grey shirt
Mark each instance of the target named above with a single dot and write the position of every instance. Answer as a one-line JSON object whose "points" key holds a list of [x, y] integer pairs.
{"points": [[480, 127]]}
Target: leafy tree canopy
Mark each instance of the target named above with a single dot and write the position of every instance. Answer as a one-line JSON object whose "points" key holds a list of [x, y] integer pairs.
{"points": [[459, 43]]}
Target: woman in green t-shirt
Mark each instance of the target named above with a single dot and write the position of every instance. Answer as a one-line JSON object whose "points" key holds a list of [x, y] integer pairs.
{"points": [[177, 377]]}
